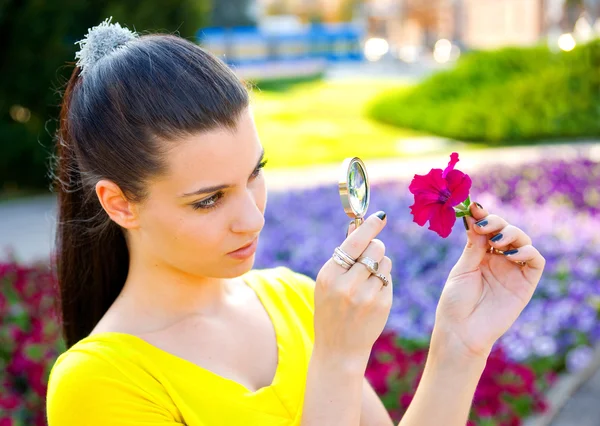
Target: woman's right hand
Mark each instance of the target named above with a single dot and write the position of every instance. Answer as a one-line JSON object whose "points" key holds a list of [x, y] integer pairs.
{"points": [[352, 305]]}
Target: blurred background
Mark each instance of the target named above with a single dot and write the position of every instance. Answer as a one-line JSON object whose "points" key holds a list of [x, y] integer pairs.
{"points": [[512, 85]]}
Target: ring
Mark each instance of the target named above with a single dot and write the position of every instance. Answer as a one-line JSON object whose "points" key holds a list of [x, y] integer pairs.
{"points": [[382, 278], [372, 265], [337, 259], [494, 250], [341, 253]]}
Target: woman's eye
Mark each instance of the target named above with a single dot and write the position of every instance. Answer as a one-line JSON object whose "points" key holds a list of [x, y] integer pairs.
{"points": [[259, 168], [209, 203]]}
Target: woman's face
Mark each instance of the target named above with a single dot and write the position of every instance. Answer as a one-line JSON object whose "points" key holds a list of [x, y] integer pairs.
{"points": [[210, 203]]}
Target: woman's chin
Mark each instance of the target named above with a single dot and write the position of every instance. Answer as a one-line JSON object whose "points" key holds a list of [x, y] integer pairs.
{"points": [[239, 267]]}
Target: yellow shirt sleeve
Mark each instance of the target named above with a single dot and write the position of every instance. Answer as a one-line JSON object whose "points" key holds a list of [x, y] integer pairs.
{"points": [[90, 389]]}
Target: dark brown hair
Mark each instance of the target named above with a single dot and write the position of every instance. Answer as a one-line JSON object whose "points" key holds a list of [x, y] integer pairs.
{"points": [[115, 122]]}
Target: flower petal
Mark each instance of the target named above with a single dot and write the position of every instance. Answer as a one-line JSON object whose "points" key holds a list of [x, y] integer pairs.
{"points": [[453, 160], [425, 206], [443, 219], [459, 185], [431, 182]]}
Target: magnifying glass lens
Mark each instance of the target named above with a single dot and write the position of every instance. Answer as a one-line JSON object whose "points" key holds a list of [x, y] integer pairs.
{"points": [[358, 189], [354, 189]]}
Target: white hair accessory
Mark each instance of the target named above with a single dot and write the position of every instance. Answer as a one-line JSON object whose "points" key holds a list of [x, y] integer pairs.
{"points": [[100, 41]]}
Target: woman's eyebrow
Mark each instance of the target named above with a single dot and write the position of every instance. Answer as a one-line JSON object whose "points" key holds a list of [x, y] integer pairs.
{"points": [[209, 189]]}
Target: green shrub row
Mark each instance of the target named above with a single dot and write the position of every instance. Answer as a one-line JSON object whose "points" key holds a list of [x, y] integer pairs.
{"points": [[511, 95]]}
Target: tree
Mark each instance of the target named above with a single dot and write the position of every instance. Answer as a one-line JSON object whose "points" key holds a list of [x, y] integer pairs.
{"points": [[233, 13], [37, 44]]}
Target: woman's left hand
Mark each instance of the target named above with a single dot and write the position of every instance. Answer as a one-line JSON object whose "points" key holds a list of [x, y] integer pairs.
{"points": [[485, 293]]}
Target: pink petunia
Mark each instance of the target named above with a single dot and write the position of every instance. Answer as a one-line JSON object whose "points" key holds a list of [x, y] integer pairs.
{"points": [[436, 195]]}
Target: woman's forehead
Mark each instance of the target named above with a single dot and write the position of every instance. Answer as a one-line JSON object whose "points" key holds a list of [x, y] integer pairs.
{"points": [[219, 156]]}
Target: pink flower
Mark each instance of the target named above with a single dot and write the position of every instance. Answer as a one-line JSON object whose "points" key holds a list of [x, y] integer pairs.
{"points": [[437, 194], [406, 399], [378, 375]]}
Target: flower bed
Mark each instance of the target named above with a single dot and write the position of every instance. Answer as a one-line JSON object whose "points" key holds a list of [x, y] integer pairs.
{"points": [[29, 342], [555, 202]]}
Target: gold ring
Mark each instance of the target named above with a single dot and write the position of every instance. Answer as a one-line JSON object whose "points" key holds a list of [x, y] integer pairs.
{"points": [[494, 250]]}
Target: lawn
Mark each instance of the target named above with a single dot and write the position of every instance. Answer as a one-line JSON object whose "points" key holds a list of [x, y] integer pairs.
{"points": [[324, 122]]}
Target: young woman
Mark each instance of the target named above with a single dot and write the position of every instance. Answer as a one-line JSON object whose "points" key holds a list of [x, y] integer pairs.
{"points": [[161, 206]]}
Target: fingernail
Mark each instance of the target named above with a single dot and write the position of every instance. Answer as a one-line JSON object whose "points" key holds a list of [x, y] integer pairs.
{"points": [[509, 252], [496, 238], [466, 223], [348, 228], [479, 205], [482, 223], [381, 215]]}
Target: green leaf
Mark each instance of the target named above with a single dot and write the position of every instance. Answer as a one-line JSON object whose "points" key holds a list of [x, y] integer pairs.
{"points": [[487, 422], [34, 352]]}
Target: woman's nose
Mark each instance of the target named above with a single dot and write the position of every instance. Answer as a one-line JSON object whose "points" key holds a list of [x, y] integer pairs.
{"points": [[249, 217]]}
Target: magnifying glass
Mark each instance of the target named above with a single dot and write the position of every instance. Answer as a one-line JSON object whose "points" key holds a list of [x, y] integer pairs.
{"points": [[354, 189]]}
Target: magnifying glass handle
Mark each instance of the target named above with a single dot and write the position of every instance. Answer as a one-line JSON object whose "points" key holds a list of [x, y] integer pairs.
{"points": [[358, 221]]}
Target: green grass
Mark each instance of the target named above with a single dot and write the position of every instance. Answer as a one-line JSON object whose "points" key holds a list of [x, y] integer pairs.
{"points": [[324, 122]]}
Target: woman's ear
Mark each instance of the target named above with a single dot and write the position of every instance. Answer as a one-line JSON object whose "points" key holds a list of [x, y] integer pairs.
{"points": [[117, 206]]}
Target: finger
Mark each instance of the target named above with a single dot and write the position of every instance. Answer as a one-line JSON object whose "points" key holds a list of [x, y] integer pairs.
{"points": [[373, 288], [510, 236], [351, 228], [475, 240], [358, 241], [478, 211], [476, 246], [489, 224], [376, 284], [337, 267], [376, 252], [535, 262]]}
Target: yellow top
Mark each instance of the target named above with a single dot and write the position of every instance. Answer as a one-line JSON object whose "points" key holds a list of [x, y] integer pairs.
{"points": [[118, 379]]}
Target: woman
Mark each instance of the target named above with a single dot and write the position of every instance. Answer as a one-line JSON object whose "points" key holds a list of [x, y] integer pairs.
{"points": [[161, 203]]}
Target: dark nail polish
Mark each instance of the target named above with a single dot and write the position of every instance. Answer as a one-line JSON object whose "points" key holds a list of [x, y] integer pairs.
{"points": [[482, 223], [466, 223], [509, 252], [479, 205], [496, 238], [381, 215]]}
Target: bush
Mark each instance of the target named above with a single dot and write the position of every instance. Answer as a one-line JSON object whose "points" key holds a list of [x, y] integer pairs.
{"points": [[511, 95], [38, 44]]}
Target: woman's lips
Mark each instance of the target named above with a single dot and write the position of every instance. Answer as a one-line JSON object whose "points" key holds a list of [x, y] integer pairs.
{"points": [[246, 251]]}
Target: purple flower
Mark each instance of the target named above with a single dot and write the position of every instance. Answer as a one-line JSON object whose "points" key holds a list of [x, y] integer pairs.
{"points": [[579, 358]]}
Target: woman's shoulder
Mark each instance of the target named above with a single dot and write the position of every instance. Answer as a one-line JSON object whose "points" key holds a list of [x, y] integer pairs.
{"points": [[106, 376], [106, 353]]}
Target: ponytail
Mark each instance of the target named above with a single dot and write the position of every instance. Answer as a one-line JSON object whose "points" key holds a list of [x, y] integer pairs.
{"points": [[92, 259], [115, 120]]}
